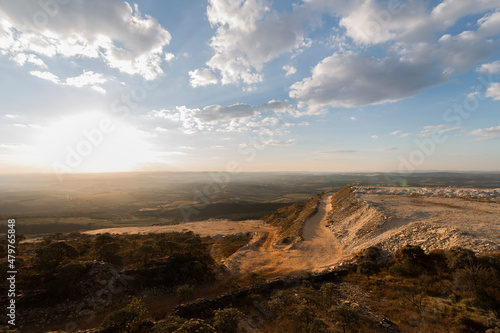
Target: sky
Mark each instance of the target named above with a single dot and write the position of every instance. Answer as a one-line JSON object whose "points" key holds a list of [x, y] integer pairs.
{"points": [[249, 85]]}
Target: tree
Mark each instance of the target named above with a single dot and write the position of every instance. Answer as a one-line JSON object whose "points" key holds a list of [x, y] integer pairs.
{"points": [[109, 252], [48, 257]]}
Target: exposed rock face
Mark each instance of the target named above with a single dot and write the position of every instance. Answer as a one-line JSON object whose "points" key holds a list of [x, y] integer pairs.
{"points": [[492, 194], [390, 217]]}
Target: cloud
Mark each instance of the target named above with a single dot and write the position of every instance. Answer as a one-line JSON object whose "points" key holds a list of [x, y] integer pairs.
{"points": [[168, 57], [12, 116], [411, 44], [388, 149], [249, 34], [112, 31], [278, 106], [350, 80], [290, 70], [491, 68], [270, 143], [46, 76], [206, 119], [34, 126], [87, 78], [490, 133], [337, 151], [374, 137], [376, 22], [431, 129], [288, 142], [21, 59], [217, 113], [493, 91], [12, 147], [400, 133], [202, 77], [232, 118]]}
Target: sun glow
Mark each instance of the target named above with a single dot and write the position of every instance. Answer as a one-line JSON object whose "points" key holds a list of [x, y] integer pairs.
{"points": [[92, 142]]}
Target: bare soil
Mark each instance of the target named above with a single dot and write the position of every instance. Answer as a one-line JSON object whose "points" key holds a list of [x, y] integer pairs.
{"points": [[318, 250], [212, 228]]}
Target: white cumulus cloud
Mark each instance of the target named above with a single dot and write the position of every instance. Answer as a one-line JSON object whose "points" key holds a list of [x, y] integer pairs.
{"points": [[202, 77], [112, 31], [249, 34]]}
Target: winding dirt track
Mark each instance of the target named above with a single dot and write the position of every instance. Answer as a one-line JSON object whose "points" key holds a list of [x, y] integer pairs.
{"points": [[318, 251]]}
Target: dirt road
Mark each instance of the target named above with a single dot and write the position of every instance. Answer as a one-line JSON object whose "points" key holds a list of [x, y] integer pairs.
{"points": [[318, 250]]}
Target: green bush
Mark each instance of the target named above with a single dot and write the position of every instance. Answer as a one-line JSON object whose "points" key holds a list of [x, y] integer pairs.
{"points": [[305, 313], [169, 325], [409, 261], [199, 326], [458, 257], [367, 267], [48, 257], [329, 293], [345, 316], [109, 252], [185, 293], [67, 278], [127, 319], [278, 301], [226, 320], [482, 282]]}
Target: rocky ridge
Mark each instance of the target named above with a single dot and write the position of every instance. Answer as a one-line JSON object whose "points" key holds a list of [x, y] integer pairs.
{"points": [[360, 221]]}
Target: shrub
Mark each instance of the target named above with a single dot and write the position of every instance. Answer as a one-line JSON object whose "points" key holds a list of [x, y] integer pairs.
{"points": [[458, 257], [329, 293], [67, 278], [409, 261], [468, 325], [109, 252], [305, 313], [345, 316], [437, 261], [255, 278], [197, 325], [185, 293], [226, 320], [482, 282], [491, 261], [127, 319], [48, 257], [372, 253], [278, 301], [169, 325], [368, 268]]}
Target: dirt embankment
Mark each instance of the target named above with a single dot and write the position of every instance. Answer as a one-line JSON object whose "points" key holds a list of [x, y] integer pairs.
{"points": [[315, 249], [390, 219]]}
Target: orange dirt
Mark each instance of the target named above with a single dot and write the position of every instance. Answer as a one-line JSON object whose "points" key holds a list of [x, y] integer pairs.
{"points": [[318, 250]]}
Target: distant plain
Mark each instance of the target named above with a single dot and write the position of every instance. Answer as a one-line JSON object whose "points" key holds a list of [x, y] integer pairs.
{"points": [[46, 204]]}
